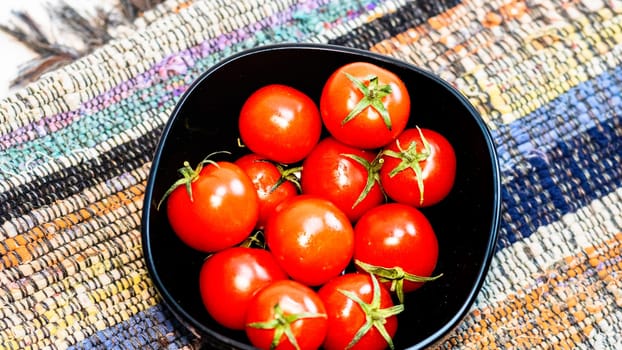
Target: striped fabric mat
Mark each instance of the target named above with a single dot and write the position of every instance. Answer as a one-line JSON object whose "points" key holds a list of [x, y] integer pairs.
{"points": [[76, 146]]}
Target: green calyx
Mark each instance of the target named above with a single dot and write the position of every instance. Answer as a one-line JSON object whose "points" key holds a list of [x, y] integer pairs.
{"points": [[373, 93], [410, 159], [373, 174], [396, 275], [188, 176], [374, 316], [255, 240], [287, 174], [281, 324]]}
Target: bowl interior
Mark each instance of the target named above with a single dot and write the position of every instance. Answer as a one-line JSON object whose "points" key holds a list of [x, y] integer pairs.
{"points": [[205, 121]]}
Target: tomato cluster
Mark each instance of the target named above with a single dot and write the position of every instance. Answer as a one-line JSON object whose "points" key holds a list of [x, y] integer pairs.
{"points": [[313, 241]]}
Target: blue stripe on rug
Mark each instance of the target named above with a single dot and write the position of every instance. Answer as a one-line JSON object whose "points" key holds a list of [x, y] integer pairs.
{"points": [[561, 156], [154, 328], [572, 173], [571, 113]]}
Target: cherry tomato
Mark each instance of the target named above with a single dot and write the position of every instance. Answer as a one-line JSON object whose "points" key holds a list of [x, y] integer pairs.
{"points": [[397, 243], [419, 168], [230, 278], [364, 105], [273, 183], [280, 123], [310, 238], [361, 313], [286, 315], [219, 210], [344, 175]]}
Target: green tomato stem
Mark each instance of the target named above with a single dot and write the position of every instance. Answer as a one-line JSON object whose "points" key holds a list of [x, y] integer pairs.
{"points": [[373, 175], [256, 239], [374, 315], [373, 93], [396, 275], [410, 159], [288, 174], [188, 176], [281, 324]]}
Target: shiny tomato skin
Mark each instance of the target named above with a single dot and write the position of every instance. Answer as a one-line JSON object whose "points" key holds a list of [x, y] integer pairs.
{"points": [[395, 234], [280, 123], [327, 172], [264, 176], [438, 170], [367, 130], [230, 278], [345, 317], [293, 298], [223, 210], [310, 238]]}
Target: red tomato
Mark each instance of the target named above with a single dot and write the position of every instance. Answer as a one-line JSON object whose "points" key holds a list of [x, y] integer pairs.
{"points": [[280, 123], [419, 168], [310, 238], [229, 279], [344, 175], [399, 245], [273, 184], [359, 311], [286, 315], [364, 105], [219, 211]]}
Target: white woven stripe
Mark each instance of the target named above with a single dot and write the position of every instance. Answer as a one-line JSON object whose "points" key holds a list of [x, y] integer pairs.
{"points": [[22, 174], [533, 256], [63, 90], [72, 85], [44, 216]]}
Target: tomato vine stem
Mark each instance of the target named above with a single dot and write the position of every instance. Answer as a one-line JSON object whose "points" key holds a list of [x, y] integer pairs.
{"points": [[281, 324], [373, 175], [188, 176], [373, 93], [396, 275], [410, 158], [287, 174], [374, 316]]}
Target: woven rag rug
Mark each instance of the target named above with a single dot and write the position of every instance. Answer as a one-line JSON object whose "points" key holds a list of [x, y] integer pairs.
{"points": [[546, 76]]}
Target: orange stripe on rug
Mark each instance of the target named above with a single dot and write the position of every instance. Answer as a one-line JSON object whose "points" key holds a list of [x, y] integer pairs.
{"points": [[562, 308], [506, 72], [26, 246]]}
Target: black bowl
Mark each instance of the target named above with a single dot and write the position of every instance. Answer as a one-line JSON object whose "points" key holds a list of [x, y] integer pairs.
{"points": [[205, 120]]}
